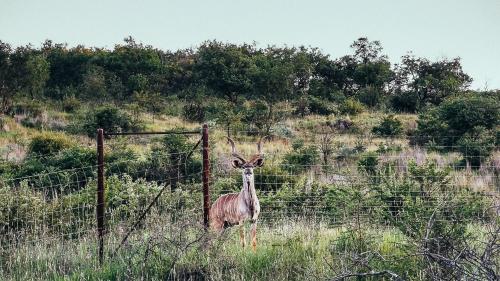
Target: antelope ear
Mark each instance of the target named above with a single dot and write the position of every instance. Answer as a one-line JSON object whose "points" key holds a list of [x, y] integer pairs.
{"points": [[259, 162], [237, 163]]}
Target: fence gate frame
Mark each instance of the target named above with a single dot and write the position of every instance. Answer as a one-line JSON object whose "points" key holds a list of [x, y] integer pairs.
{"points": [[101, 205]]}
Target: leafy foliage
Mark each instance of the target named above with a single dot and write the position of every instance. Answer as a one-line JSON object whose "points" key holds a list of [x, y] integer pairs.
{"points": [[351, 107], [302, 156], [427, 82], [48, 143], [107, 117], [458, 123], [389, 127]]}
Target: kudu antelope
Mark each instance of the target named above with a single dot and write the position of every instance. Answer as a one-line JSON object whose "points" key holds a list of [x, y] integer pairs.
{"points": [[236, 208]]}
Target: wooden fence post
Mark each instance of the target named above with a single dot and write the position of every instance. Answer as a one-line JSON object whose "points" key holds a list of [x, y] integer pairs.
{"points": [[206, 177], [100, 193]]}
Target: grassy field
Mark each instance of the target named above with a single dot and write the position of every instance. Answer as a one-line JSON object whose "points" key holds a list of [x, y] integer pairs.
{"points": [[289, 250], [314, 226]]}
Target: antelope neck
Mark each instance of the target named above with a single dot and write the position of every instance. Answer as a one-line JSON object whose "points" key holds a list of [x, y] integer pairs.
{"points": [[248, 190]]}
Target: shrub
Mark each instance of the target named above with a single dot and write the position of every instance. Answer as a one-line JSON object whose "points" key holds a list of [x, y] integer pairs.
{"points": [[48, 143], [390, 126], [271, 178], [428, 209], [477, 145], [128, 197], [52, 183], [107, 117], [261, 115], [73, 157], [368, 163], [464, 113], [351, 107], [171, 161], [456, 120], [321, 106], [34, 123], [71, 104], [302, 157]]}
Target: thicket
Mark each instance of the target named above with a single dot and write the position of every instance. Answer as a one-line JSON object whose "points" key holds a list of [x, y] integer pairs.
{"points": [[468, 124]]}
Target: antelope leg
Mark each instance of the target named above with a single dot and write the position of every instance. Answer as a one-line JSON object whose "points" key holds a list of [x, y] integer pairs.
{"points": [[253, 233], [242, 234]]}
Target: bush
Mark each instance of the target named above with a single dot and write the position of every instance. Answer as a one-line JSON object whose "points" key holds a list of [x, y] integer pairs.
{"points": [[351, 107], [321, 106], [390, 126], [428, 209], [127, 197], [73, 157], [477, 145], [71, 104], [261, 116], [78, 159], [368, 163], [271, 178], [170, 161], [34, 123], [464, 113], [302, 157], [48, 143], [107, 117], [336, 203], [458, 119]]}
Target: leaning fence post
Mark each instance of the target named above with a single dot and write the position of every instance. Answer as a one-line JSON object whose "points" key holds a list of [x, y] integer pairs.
{"points": [[206, 177], [100, 193]]}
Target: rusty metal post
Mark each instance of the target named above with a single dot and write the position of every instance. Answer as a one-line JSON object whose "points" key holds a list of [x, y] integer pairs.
{"points": [[206, 177], [100, 193]]}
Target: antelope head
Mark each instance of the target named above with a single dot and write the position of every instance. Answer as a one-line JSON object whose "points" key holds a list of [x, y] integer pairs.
{"points": [[257, 160]]}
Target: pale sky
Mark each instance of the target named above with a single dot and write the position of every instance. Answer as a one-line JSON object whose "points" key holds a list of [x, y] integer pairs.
{"points": [[433, 29]]}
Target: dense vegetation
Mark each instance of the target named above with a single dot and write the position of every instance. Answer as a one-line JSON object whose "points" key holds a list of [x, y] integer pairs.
{"points": [[371, 167], [226, 74]]}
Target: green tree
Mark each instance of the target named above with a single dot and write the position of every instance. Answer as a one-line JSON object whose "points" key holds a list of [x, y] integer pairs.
{"points": [[7, 83], [94, 83], [428, 82], [372, 71], [272, 83], [225, 69], [38, 70]]}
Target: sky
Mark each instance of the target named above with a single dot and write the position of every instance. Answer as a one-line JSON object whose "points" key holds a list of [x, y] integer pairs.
{"points": [[434, 29]]}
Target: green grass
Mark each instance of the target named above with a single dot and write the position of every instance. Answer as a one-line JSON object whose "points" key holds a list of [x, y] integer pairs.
{"points": [[289, 250]]}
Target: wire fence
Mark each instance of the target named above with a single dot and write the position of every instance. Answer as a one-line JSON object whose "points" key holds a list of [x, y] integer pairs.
{"points": [[158, 189]]}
